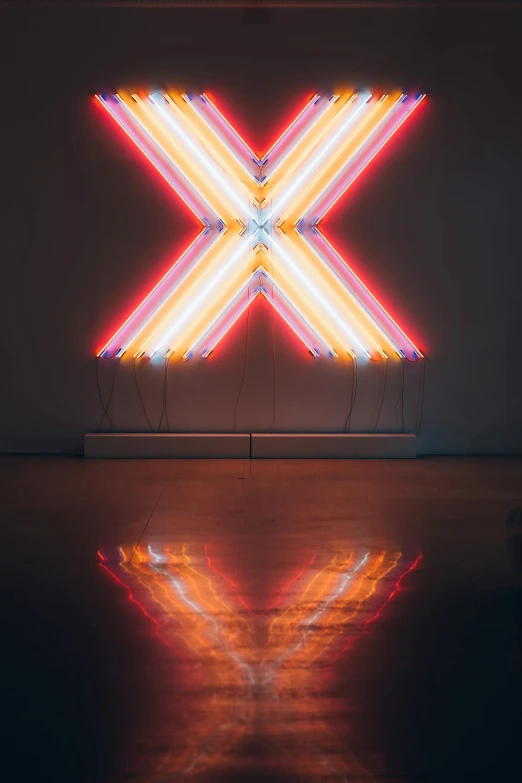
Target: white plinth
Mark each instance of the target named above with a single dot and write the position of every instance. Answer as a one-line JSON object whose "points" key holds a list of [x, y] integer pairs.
{"points": [[333, 446], [244, 445], [167, 445]]}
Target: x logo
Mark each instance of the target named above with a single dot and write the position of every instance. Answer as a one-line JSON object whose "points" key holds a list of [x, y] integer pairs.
{"points": [[260, 224]]}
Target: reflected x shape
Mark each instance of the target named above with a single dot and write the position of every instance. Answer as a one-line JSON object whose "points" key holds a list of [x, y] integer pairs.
{"points": [[196, 610]]}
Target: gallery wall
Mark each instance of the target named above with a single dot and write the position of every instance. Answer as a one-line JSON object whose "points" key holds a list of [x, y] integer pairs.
{"points": [[431, 227]]}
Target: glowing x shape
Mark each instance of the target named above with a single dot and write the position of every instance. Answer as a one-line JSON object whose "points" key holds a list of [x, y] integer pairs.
{"points": [[260, 217]]}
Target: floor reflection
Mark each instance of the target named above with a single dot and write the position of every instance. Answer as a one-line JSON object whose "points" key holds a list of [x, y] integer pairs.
{"points": [[258, 681]]}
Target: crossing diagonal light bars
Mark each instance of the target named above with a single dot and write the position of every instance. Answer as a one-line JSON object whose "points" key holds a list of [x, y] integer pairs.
{"points": [[260, 224]]}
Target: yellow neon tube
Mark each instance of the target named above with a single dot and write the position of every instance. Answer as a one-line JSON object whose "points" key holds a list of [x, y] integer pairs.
{"points": [[190, 282], [338, 161], [308, 141], [181, 156], [375, 334], [324, 297]]}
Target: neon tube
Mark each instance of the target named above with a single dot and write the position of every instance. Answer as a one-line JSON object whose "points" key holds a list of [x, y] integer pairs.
{"points": [[213, 171], [323, 151], [179, 294], [197, 302], [289, 312], [379, 314], [247, 160], [237, 305], [304, 146], [296, 135], [289, 306], [299, 274], [217, 147], [383, 139], [310, 315], [356, 140], [197, 209], [237, 315], [171, 149], [364, 321]]}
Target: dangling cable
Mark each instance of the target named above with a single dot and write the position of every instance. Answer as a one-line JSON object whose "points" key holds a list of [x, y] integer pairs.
{"points": [[353, 394], [383, 394], [100, 396], [244, 363], [164, 411], [140, 397], [421, 397], [270, 429], [400, 399], [166, 394]]}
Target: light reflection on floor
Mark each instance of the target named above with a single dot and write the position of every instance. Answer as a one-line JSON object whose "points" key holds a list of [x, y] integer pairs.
{"points": [[280, 628], [262, 675]]}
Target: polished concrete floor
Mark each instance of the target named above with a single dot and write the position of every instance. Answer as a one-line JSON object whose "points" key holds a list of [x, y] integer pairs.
{"points": [[288, 621]]}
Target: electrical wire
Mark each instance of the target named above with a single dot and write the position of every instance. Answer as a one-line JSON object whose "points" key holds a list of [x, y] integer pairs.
{"points": [[100, 396], [402, 396], [421, 397], [400, 399], [164, 408], [270, 429], [140, 397], [353, 394], [244, 364], [166, 394], [383, 393]]}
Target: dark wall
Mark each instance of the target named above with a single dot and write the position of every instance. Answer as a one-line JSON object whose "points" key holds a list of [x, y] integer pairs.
{"points": [[433, 228]]}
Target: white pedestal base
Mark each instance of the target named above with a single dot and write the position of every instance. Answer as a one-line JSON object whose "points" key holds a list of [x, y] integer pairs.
{"points": [[243, 446], [333, 446], [167, 445]]}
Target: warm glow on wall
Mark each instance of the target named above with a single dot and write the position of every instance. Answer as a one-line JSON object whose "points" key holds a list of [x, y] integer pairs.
{"points": [[260, 221]]}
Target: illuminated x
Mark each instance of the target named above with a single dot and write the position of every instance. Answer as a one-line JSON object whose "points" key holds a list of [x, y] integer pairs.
{"points": [[260, 224]]}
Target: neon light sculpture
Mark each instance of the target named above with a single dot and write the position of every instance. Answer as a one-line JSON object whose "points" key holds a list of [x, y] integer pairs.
{"points": [[260, 224]]}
